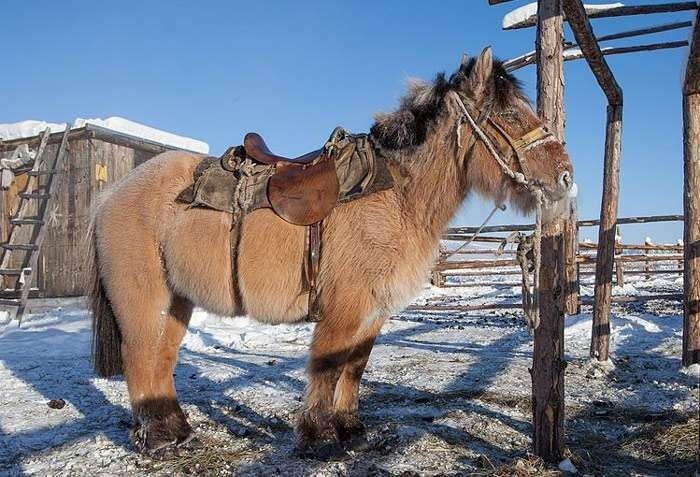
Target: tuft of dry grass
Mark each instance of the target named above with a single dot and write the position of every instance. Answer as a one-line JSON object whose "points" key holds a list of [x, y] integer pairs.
{"points": [[211, 456], [659, 444], [530, 466], [672, 446]]}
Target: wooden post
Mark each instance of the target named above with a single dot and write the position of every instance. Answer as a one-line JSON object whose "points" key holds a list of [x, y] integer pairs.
{"points": [[618, 264], [647, 263], [548, 355], [691, 202], [583, 32], [573, 285], [600, 335]]}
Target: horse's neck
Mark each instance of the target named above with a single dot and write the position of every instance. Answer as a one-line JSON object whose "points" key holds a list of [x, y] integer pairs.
{"points": [[432, 195]]}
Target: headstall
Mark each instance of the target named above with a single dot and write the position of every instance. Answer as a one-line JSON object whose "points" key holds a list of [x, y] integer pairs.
{"points": [[524, 179]]}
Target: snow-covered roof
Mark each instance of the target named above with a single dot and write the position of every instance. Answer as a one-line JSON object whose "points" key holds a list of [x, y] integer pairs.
{"points": [[528, 13], [32, 128]]}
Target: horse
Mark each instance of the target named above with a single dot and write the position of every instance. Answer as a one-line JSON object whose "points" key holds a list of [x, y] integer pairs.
{"points": [[154, 259]]}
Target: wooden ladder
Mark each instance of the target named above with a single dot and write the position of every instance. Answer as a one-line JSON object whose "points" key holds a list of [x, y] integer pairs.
{"points": [[27, 232]]}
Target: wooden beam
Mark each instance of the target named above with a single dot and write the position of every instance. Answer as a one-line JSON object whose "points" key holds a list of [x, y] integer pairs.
{"points": [[627, 10], [644, 31], [691, 202], [583, 32], [463, 233], [529, 58], [548, 353]]}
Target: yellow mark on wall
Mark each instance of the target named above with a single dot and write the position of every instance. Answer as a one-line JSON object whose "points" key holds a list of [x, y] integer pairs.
{"points": [[101, 173]]}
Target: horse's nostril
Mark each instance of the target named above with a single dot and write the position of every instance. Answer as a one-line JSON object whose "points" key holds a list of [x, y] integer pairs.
{"points": [[565, 180]]}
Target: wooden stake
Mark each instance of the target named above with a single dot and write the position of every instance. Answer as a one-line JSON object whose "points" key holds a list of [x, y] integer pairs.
{"points": [[691, 202], [619, 273], [548, 354]]}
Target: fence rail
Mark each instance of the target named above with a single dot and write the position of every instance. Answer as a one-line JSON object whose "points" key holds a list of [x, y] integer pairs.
{"points": [[648, 259]]}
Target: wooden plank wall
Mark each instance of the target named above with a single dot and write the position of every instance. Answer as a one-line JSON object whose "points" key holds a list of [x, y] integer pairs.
{"points": [[62, 261]]}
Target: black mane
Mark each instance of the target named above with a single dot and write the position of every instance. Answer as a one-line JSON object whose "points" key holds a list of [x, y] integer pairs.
{"points": [[408, 126]]}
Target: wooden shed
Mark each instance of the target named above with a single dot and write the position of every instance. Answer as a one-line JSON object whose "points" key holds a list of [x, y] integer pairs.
{"points": [[95, 157]]}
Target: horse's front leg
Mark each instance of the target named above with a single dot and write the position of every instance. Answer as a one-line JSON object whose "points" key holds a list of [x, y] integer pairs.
{"points": [[332, 344], [346, 418]]}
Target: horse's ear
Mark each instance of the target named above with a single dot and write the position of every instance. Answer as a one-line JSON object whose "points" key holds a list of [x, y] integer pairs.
{"points": [[481, 73]]}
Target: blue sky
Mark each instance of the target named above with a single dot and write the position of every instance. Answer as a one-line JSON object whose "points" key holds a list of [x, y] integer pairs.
{"points": [[214, 70]]}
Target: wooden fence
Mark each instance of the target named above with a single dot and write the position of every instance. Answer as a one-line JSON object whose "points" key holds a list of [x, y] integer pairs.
{"points": [[483, 260]]}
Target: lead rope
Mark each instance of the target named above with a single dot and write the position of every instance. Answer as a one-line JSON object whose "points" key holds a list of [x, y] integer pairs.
{"points": [[478, 231], [533, 243]]}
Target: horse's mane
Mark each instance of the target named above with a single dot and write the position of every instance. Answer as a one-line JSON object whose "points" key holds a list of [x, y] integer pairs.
{"points": [[408, 125]]}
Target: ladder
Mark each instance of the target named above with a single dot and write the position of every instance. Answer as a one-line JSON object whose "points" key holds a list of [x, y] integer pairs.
{"points": [[27, 231]]}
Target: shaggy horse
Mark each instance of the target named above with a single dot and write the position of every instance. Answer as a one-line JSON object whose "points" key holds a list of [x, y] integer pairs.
{"points": [[154, 258]]}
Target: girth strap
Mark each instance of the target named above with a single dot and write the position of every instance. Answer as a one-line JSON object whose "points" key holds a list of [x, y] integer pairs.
{"points": [[314, 257]]}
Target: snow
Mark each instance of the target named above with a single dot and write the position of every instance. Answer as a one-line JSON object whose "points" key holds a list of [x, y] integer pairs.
{"points": [[27, 128], [132, 128], [32, 128], [567, 466], [434, 398], [529, 12]]}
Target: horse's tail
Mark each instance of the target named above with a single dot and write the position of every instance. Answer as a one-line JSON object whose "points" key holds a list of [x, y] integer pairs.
{"points": [[106, 337]]}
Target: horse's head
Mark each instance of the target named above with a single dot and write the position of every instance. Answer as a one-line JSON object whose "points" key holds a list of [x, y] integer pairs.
{"points": [[506, 151]]}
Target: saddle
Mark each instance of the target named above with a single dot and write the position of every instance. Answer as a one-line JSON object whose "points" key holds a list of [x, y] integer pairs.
{"points": [[302, 190]]}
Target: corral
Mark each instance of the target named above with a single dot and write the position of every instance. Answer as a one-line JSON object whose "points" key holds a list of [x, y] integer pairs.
{"points": [[457, 385]]}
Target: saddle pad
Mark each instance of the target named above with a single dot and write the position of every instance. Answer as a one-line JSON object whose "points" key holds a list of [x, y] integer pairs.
{"points": [[212, 187], [358, 171]]}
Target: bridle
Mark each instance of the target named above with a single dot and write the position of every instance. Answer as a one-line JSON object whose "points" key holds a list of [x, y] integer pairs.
{"points": [[518, 146], [523, 179]]}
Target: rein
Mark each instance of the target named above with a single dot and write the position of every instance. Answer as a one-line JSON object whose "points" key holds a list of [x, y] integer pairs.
{"points": [[533, 243]]}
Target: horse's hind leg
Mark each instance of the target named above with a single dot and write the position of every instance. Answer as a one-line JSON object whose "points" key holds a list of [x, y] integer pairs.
{"points": [[153, 322]]}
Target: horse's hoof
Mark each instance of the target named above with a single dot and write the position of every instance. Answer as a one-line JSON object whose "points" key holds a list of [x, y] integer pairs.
{"points": [[323, 451], [348, 426], [357, 443], [161, 443]]}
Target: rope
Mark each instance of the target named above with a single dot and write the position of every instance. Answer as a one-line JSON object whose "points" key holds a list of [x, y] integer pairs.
{"points": [[478, 231]]}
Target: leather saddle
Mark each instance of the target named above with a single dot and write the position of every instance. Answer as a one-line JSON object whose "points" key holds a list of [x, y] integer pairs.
{"points": [[302, 190], [255, 148]]}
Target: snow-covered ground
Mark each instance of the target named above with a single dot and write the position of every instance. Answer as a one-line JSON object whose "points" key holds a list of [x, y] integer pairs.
{"points": [[32, 128], [443, 393]]}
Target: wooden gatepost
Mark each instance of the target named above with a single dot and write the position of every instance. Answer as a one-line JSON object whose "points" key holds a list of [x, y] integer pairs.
{"points": [[548, 355], [691, 202]]}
